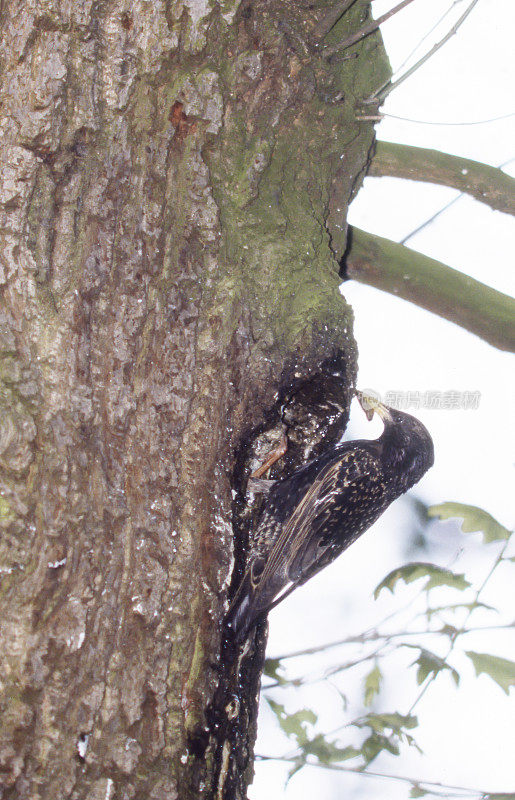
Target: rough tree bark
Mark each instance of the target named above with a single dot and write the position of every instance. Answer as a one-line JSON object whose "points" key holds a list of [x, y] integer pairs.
{"points": [[175, 179]]}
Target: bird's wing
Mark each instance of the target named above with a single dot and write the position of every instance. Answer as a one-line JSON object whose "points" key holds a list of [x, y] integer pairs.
{"points": [[339, 491], [325, 520]]}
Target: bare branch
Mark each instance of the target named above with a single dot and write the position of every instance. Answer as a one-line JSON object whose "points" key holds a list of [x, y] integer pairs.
{"points": [[366, 30], [430, 219], [454, 637], [375, 635], [372, 774], [463, 123], [440, 211], [387, 88], [329, 21], [427, 35], [432, 285], [487, 184]]}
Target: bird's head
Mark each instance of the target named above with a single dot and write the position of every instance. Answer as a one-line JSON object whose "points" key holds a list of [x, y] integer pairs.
{"points": [[405, 446]]}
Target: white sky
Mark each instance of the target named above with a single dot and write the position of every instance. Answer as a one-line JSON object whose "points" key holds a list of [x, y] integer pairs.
{"points": [[468, 736]]}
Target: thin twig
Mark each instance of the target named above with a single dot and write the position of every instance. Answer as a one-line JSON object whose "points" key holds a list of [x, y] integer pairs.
{"points": [[427, 35], [327, 673], [441, 210], [370, 117], [371, 632], [380, 652], [449, 124], [454, 638], [325, 25], [370, 774], [365, 31], [376, 635], [387, 88], [432, 218]]}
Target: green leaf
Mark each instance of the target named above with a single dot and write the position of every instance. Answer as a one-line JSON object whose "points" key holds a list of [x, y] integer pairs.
{"points": [[272, 669], [498, 669], [417, 791], [294, 725], [430, 612], [387, 731], [431, 664], [474, 519], [435, 576], [375, 744], [372, 685], [397, 721], [329, 752], [394, 721]]}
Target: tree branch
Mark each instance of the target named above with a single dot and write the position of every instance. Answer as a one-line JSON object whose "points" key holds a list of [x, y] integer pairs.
{"points": [[329, 21], [366, 30], [387, 88], [432, 285], [416, 783], [487, 184]]}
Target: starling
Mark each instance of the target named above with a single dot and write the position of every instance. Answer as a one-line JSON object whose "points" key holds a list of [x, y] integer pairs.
{"points": [[315, 514]]}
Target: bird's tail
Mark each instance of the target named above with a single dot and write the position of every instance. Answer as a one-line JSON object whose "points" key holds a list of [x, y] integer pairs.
{"points": [[240, 617], [248, 603], [255, 598]]}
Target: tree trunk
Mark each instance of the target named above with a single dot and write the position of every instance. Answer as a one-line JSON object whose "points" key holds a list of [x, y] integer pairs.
{"points": [[174, 193]]}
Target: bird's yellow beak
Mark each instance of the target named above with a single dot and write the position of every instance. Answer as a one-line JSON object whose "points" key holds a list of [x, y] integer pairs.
{"points": [[370, 404]]}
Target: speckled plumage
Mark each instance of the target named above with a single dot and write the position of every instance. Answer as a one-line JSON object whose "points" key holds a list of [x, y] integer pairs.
{"points": [[316, 513]]}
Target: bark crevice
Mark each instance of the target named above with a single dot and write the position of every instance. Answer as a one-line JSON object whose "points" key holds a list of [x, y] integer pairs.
{"points": [[313, 409]]}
